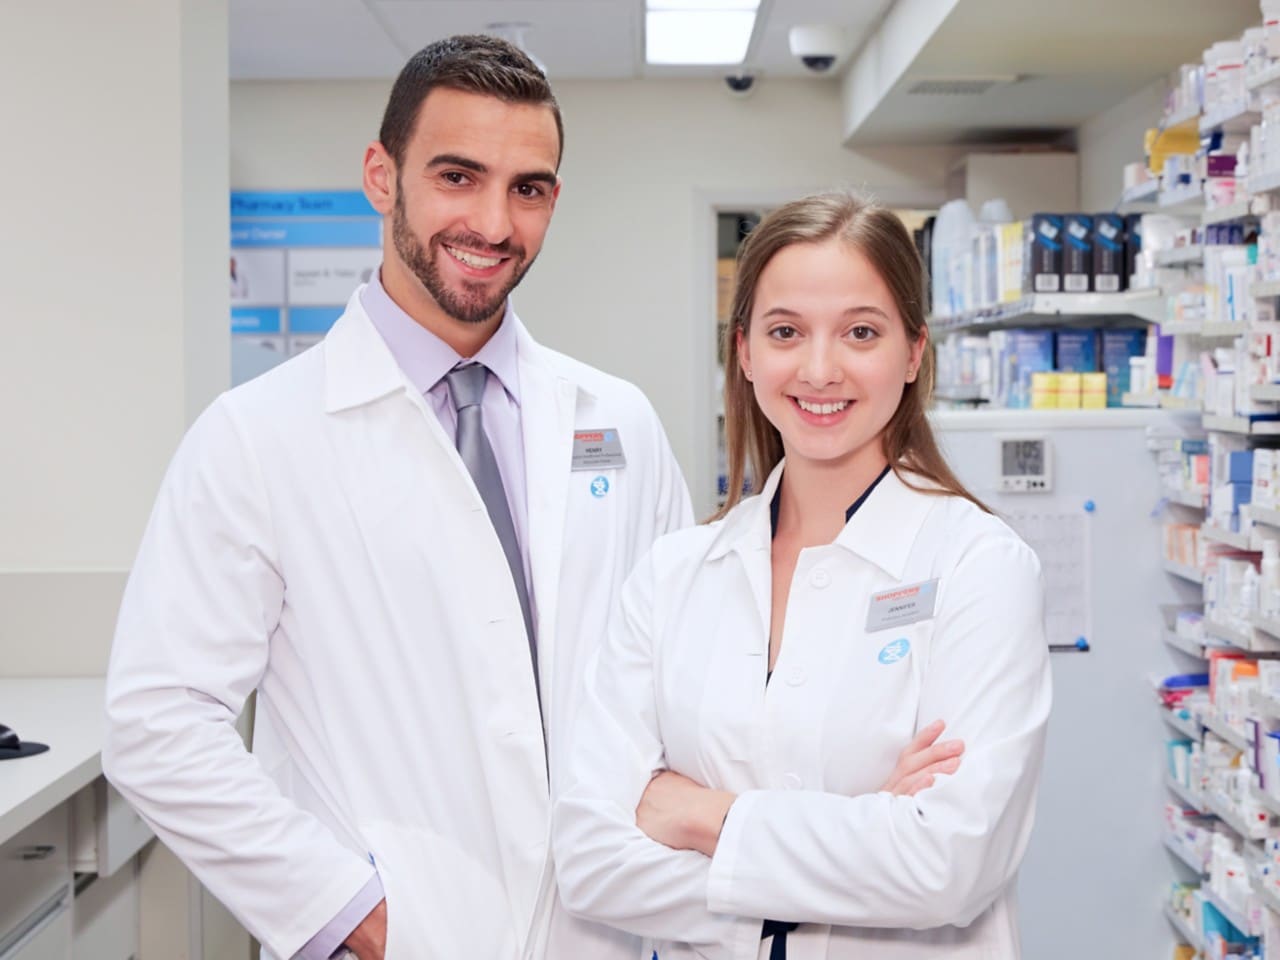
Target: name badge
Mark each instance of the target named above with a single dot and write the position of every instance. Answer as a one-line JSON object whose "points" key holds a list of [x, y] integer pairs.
{"points": [[597, 449], [902, 605]]}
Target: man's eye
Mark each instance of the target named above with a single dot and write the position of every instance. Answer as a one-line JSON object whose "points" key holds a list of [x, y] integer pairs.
{"points": [[529, 190], [454, 177]]}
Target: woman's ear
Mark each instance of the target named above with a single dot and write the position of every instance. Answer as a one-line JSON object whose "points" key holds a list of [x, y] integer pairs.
{"points": [[744, 352], [917, 355]]}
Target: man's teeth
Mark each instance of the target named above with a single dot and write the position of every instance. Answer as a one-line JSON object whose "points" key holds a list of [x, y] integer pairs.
{"points": [[473, 259], [822, 408]]}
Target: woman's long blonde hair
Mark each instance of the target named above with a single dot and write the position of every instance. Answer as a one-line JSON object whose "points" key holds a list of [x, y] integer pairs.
{"points": [[876, 233]]}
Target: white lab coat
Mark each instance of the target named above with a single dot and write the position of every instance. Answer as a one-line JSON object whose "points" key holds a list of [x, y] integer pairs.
{"points": [[680, 685], [318, 538]]}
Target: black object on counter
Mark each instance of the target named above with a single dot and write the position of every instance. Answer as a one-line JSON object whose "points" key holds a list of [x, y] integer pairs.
{"points": [[14, 748]]}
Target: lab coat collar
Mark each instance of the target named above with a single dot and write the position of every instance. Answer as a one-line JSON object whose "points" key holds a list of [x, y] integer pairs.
{"points": [[881, 531], [360, 368]]}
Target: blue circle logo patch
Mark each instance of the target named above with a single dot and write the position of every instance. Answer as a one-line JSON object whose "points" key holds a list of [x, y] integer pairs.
{"points": [[599, 486], [895, 651]]}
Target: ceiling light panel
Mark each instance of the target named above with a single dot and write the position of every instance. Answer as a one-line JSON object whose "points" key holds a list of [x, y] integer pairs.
{"points": [[719, 35]]}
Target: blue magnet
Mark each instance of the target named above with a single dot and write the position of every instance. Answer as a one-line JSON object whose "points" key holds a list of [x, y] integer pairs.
{"points": [[1082, 643], [1090, 506]]}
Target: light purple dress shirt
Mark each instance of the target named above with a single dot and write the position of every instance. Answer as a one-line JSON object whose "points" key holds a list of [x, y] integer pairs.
{"points": [[425, 359]]}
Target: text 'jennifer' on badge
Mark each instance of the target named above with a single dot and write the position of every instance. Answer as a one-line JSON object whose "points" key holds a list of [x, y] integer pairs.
{"points": [[597, 449], [902, 605]]}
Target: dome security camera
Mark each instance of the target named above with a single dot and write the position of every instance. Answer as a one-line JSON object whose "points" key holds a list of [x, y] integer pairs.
{"points": [[818, 47], [740, 84]]}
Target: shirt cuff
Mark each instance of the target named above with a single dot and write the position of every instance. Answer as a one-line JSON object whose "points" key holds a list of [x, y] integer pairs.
{"points": [[329, 940]]}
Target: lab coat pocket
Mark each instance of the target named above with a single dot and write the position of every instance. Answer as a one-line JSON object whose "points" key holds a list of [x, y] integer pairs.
{"points": [[441, 903]]}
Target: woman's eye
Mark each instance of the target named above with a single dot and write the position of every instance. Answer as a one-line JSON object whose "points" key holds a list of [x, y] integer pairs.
{"points": [[862, 333], [783, 333]]}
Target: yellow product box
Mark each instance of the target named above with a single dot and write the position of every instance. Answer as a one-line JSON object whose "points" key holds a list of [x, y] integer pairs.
{"points": [[1069, 391], [1044, 391], [1093, 391]]}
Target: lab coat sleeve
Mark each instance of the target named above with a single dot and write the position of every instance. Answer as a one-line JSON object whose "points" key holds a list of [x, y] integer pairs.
{"points": [[191, 644], [609, 871], [942, 857]]}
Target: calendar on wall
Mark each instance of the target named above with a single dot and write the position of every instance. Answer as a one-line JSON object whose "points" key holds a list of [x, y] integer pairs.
{"points": [[1060, 536]]}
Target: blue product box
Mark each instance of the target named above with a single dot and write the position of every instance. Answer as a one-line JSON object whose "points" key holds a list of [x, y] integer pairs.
{"points": [[1240, 467], [1031, 352], [1077, 351], [1045, 254], [1077, 253], [1109, 253], [1118, 346]]}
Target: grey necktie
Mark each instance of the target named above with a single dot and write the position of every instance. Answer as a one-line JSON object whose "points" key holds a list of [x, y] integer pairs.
{"points": [[466, 388]]}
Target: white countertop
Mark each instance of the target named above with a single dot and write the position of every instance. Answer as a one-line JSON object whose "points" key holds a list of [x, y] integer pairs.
{"points": [[65, 713]]}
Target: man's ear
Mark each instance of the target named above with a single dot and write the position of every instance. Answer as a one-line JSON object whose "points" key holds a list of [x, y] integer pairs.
{"points": [[379, 178]]}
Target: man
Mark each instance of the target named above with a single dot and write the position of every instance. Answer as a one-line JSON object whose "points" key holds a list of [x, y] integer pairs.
{"points": [[408, 542]]}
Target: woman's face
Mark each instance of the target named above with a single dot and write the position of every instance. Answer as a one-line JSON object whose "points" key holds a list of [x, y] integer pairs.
{"points": [[827, 353]]}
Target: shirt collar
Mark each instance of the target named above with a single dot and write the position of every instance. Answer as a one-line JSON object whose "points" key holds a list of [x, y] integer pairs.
{"points": [[424, 357], [882, 525], [775, 503]]}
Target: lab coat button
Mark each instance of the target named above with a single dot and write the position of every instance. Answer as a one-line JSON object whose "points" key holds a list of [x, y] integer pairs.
{"points": [[792, 781], [796, 677], [820, 578]]}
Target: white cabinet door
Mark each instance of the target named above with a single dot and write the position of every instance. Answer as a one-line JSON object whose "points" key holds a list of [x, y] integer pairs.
{"points": [[51, 941]]}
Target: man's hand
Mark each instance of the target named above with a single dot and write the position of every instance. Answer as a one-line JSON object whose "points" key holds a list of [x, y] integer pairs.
{"points": [[922, 760], [369, 940], [682, 814]]}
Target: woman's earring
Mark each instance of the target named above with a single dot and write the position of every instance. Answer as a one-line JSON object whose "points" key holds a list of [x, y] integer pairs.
{"points": [[747, 374]]}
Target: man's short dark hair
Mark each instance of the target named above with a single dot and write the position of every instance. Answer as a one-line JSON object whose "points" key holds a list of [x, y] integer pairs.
{"points": [[470, 63]]}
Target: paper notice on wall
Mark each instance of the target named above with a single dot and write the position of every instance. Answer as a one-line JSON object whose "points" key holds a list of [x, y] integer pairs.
{"points": [[329, 276], [1060, 538]]}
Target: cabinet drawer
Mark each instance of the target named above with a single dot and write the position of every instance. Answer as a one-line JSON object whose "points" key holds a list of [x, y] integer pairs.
{"points": [[106, 830], [48, 940], [34, 865]]}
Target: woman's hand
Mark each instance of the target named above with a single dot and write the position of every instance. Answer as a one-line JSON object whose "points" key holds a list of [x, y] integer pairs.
{"points": [[682, 814], [922, 760]]}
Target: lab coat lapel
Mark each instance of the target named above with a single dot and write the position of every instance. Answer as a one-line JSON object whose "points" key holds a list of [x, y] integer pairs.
{"points": [[547, 408]]}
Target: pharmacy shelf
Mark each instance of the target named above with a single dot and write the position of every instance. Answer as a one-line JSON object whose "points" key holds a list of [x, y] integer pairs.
{"points": [[1264, 288], [1234, 117], [1261, 183], [1225, 330], [1187, 115], [1264, 799], [1189, 647], [1267, 76], [1189, 727], [1241, 541], [1235, 211], [1182, 404], [1229, 815], [1241, 425], [1147, 400], [1265, 393], [1188, 796], [1186, 498], [1047, 309], [1183, 928], [1264, 516], [1234, 916], [1194, 574], [1268, 625], [1228, 733], [1180, 256], [1173, 328], [1140, 198], [1175, 847], [1184, 200], [960, 393]]}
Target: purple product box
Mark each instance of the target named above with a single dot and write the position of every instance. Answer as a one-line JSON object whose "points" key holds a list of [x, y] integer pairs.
{"points": [[1220, 165], [1164, 361]]}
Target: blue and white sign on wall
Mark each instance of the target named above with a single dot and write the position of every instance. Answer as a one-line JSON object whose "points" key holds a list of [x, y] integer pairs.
{"points": [[296, 258]]}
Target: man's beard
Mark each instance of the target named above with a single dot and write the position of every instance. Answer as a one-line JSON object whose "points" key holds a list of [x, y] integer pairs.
{"points": [[470, 305]]}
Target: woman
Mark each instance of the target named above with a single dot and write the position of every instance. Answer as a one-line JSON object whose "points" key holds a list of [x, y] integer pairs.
{"points": [[768, 667]]}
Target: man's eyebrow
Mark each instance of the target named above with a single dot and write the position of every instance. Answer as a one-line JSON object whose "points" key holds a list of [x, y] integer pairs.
{"points": [[536, 176], [457, 160]]}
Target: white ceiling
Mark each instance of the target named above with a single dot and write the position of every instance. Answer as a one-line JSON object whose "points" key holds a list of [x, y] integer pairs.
{"points": [[575, 39]]}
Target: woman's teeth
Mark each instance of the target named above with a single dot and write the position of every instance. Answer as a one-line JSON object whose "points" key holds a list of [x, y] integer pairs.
{"points": [[473, 259], [822, 408]]}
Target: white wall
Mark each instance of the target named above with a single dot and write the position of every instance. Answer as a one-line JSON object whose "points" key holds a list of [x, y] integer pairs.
{"points": [[1110, 140], [623, 282], [115, 326]]}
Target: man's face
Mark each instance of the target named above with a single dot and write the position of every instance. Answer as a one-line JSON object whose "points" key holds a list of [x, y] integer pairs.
{"points": [[474, 198]]}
